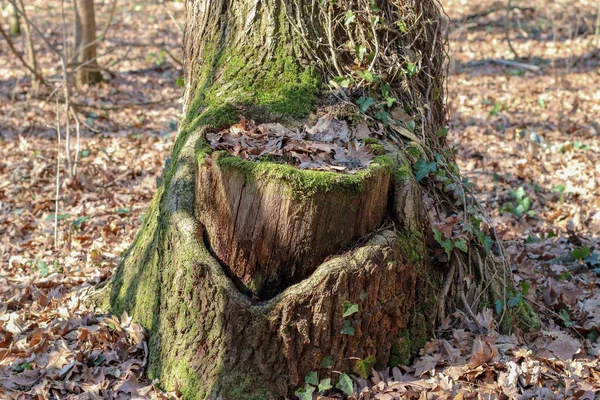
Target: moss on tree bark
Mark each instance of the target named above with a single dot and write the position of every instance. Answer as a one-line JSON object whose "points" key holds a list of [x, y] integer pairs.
{"points": [[271, 61]]}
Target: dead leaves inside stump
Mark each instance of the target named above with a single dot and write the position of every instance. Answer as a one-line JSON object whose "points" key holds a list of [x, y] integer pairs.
{"points": [[330, 145]]}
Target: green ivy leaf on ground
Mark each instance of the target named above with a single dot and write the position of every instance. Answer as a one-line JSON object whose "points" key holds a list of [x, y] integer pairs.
{"points": [[581, 253], [325, 384], [345, 384], [305, 393], [364, 103]]}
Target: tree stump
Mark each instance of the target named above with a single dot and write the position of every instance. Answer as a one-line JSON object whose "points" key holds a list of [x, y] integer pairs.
{"points": [[271, 224]]}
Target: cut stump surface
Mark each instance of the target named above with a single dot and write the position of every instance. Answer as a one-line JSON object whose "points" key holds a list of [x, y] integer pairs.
{"points": [[271, 224]]}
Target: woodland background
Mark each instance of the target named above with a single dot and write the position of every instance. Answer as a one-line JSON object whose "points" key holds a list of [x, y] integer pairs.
{"points": [[526, 135]]}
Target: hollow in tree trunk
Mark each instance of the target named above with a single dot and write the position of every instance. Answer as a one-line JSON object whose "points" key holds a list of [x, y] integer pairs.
{"points": [[85, 43], [250, 274]]}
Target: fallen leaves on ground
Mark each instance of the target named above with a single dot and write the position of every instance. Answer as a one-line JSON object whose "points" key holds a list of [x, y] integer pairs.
{"points": [[528, 141]]}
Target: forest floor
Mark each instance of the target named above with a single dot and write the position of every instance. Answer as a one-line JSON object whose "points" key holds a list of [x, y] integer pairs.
{"points": [[526, 135]]}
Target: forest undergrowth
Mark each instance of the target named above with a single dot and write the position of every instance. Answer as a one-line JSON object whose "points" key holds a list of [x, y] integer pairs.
{"points": [[526, 132]]}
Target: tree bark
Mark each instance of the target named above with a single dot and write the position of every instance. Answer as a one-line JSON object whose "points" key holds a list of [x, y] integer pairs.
{"points": [[274, 61], [85, 43], [35, 83], [15, 26], [255, 225]]}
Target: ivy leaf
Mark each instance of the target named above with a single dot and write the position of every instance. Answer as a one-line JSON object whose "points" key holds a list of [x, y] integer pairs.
{"points": [[325, 384], [43, 268], [487, 244], [363, 367], [312, 378], [411, 69], [348, 329], [349, 309], [345, 384], [23, 367], [344, 81], [77, 223], [581, 253], [366, 75], [350, 18], [305, 393], [564, 315], [423, 168], [445, 243], [383, 117], [99, 360], [180, 82], [499, 306], [327, 362], [360, 52], [525, 286], [364, 103], [461, 244], [513, 301], [592, 260], [442, 132], [390, 101]]}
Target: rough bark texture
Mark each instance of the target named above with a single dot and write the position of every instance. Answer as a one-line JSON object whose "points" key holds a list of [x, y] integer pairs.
{"points": [[85, 43], [211, 339], [269, 234], [265, 60]]}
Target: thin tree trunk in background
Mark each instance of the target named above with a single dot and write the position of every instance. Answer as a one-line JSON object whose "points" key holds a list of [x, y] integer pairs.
{"points": [[15, 26], [35, 83], [85, 43], [76, 29]]}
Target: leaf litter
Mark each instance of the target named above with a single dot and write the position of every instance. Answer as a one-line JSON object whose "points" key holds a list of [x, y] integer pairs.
{"points": [[329, 145], [518, 134]]}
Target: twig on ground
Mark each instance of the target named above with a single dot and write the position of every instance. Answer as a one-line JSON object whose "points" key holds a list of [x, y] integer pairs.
{"points": [[516, 64]]}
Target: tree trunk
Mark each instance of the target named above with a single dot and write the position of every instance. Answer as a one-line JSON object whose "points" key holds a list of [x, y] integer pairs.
{"points": [[85, 43], [279, 61], [35, 83], [15, 26]]}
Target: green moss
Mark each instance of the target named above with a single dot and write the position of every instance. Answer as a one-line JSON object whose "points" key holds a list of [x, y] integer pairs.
{"points": [[522, 315], [403, 172], [420, 328], [414, 150], [370, 140], [411, 247], [378, 149], [277, 89], [400, 353], [238, 386], [303, 183], [256, 283]]}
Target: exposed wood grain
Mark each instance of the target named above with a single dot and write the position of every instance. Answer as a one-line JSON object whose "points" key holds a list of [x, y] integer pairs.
{"points": [[269, 239]]}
